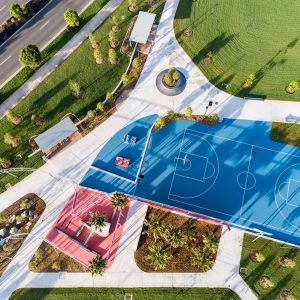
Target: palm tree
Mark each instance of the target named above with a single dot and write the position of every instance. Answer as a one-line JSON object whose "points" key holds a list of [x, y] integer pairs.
{"points": [[119, 200], [211, 242], [202, 259], [173, 235], [97, 265], [158, 257], [156, 226], [97, 220]]}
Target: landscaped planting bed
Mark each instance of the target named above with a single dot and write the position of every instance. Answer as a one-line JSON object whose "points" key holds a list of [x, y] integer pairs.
{"points": [[53, 99], [278, 263], [186, 251], [49, 259], [118, 294], [287, 133], [240, 49], [18, 218]]}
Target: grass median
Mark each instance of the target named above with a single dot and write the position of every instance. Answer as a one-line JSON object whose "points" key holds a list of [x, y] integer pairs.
{"points": [[53, 99]]}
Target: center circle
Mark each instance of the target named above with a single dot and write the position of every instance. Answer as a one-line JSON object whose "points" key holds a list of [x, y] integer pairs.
{"points": [[246, 180]]}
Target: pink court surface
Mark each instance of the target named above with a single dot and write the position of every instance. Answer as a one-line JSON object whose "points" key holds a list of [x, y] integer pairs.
{"points": [[72, 234]]}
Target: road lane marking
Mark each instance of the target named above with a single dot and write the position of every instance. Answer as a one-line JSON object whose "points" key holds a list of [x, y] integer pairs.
{"points": [[44, 25], [5, 60]]}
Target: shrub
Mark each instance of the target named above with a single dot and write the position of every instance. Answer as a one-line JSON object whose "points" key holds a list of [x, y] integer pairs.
{"points": [[119, 200], [286, 295], [75, 89], [292, 87], [174, 236], [93, 41], [16, 11], [11, 117], [5, 163], [212, 119], [115, 23], [156, 227], [257, 256], [126, 79], [39, 254], [97, 220], [91, 115], [19, 219], [3, 218], [30, 56], [100, 107], [158, 256], [37, 120], [9, 139], [110, 98], [286, 262], [188, 112], [132, 5], [201, 259], [113, 39], [265, 282], [172, 77], [26, 204], [72, 18], [171, 115], [98, 56], [211, 242], [56, 266], [190, 232], [160, 122], [97, 265], [8, 247], [136, 63], [248, 82], [112, 55], [32, 266]]}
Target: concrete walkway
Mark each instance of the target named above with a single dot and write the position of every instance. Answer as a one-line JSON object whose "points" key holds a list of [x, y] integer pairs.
{"points": [[58, 58], [145, 99]]}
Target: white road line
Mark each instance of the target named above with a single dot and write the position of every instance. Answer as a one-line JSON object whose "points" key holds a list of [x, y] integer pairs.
{"points": [[2, 7], [44, 25], [5, 60]]}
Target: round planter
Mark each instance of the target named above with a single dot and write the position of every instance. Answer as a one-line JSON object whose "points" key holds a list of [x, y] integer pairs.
{"points": [[170, 90]]}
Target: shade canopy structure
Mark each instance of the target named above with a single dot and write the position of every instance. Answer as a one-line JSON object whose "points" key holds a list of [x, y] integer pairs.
{"points": [[142, 27], [55, 134]]}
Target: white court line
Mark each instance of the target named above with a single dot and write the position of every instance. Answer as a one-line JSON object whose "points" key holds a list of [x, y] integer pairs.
{"points": [[238, 142], [229, 215], [288, 192], [44, 25], [5, 60], [245, 189], [189, 177]]}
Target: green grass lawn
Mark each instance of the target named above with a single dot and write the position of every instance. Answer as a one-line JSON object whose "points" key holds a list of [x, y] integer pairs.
{"points": [[25, 73], [118, 294], [284, 278], [259, 37], [286, 133], [53, 99]]}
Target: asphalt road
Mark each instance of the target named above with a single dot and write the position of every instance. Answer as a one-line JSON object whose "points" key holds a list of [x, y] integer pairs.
{"points": [[4, 12], [38, 31]]}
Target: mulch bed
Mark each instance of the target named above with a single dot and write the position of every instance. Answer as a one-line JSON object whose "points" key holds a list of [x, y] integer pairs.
{"points": [[52, 255], [38, 208], [181, 261]]}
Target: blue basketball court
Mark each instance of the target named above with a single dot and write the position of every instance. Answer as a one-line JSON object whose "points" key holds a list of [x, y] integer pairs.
{"points": [[231, 172]]}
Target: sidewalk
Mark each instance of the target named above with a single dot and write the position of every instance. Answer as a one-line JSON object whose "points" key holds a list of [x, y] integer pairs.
{"points": [[58, 58]]}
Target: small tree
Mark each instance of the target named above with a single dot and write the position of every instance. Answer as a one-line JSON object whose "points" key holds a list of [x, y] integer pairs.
{"points": [[75, 89], [156, 226], [113, 39], [173, 235], [257, 256], [115, 23], [100, 107], [172, 77], [248, 82], [286, 295], [132, 5], [93, 41], [97, 220], [160, 122], [112, 55], [286, 262], [11, 117], [72, 18], [119, 200], [91, 115], [97, 265], [211, 242], [188, 112], [265, 282], [292, 87], [5, 163], [126, 79], [30, 56], [98, 56], [16, 11], [9, 139], [158, 256], [201, 259]]}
